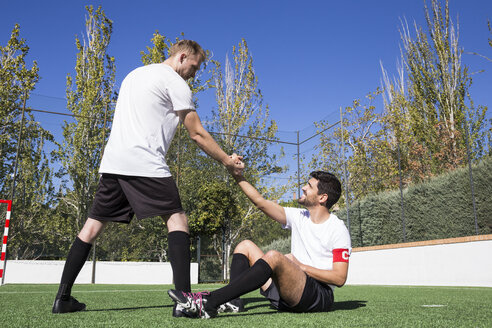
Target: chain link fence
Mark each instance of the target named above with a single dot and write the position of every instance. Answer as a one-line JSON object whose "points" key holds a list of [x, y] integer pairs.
{"points": [[299, 148]]}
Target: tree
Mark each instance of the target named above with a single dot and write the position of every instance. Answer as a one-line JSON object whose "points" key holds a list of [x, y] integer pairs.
{"points": [[440, 105], [359, 145], [427, 116], [17, 81], [89, 97], [22, 140], [240, 112]]}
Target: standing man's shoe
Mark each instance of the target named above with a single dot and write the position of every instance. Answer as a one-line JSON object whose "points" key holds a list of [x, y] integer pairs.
{"points": [[70, 305]]}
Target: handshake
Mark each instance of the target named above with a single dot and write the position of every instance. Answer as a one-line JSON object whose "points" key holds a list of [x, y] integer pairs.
{"points": [[235, 165]]}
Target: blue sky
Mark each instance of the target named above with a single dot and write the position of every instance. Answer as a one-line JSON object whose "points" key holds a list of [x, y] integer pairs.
{"points": [[311, 57]]}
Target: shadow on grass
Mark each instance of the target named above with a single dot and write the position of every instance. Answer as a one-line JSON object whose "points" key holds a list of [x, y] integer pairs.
{"points": [[348, 305], [337, 306], [249, 305], [132, 308], [251, 300]]}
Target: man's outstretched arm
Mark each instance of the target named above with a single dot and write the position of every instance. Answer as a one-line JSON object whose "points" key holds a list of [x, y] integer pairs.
{"points": [[271, 209], [204, 140]]}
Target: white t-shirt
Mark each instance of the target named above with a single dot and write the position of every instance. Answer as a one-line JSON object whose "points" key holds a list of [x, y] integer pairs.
{"points": [[313, 244], [145, 121]]}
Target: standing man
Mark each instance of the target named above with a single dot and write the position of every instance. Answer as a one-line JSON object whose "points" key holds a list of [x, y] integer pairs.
{"points": [[302, 281], [136, 179]]}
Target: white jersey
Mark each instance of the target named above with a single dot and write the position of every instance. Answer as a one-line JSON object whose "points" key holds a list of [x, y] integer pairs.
{"points": [[313, 244], [145, 121]]}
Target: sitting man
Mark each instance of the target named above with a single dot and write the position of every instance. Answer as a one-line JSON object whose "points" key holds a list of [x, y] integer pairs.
{"points": [[302, 281]]}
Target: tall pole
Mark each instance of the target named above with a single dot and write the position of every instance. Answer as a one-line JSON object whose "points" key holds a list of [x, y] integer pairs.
{"points": [[298, 168], [345, 172], [402, 210], [16, 164], [471, 176], [19, 141], [93, 278], [198, 254]]}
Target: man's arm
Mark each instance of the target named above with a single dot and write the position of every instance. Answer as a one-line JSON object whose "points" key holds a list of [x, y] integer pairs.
{"points": [[336, 276], [271, 209], [204, 140]]}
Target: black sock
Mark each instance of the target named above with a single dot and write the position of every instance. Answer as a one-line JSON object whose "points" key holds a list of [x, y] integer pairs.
{"points": [[180, 258], [239, 264], [75, 261], [253, 278]]}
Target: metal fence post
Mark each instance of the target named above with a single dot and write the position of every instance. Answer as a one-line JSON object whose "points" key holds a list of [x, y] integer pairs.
{"points": [[198, 254], [19, 141], [402, 209], [298, 168], [471, 176], [345, 172]]}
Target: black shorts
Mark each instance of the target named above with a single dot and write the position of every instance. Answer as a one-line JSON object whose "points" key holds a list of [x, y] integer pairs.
{"points": [[119, 197], [316, 297]]}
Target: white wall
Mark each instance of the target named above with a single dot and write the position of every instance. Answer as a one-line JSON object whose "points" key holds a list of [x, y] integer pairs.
{"points": [[49, 272], [459, 264]]}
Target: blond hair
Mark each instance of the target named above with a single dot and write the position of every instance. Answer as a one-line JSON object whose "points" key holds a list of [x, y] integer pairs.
{"points": [[190, 47]]}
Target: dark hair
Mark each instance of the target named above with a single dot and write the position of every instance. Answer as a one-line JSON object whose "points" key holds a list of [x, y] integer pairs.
{"points": [[328, 184]]}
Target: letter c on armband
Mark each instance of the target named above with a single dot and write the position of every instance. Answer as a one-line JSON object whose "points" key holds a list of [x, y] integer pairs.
{"points": [[341, 255]]}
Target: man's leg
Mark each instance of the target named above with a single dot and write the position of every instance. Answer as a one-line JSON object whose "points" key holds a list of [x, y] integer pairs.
{"points": [[288, 276], [75, 261], [245, 255], [178, 240], [179, 250], [250, 252], [206, 304]]}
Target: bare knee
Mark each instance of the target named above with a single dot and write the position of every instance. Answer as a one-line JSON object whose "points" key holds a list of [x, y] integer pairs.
{"points": [[244, 246], [273, 254], [91, 230], [250, 250], [273, 257], [177, 222]]}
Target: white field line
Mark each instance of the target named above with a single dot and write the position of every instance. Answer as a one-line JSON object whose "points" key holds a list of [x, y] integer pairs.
{"points": [[201, 289], [101, 291], [438, 287]]}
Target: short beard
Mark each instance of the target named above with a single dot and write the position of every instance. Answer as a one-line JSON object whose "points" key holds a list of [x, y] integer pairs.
{"points": [[304, 202]]}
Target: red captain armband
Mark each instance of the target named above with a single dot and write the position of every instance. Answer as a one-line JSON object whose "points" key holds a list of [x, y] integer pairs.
{"points": [[341, 255]]}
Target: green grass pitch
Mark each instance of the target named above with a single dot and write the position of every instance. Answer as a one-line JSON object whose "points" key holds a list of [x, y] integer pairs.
{"points": [[149, 306]]}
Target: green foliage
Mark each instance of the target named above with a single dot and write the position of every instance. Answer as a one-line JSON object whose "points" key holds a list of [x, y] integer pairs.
{"points": [[240, 111], [438, 90], [17, 81], [369, 160], [281, 245], [141, 240], [426, 122], [89, 97], [21, 135], [215, 205], [439, 208]]}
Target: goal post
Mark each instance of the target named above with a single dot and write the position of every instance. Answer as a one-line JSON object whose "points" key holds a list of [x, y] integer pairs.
{"points": [[3, 258]]}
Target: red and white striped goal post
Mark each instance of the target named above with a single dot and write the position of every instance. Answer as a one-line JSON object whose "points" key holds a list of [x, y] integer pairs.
{"points": [[5, 236]]}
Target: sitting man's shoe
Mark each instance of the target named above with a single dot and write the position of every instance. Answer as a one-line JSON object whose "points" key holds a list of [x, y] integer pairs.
{"points": [[207, 311], [234, 306], [181, 312], [193, 303], [66, 306]]}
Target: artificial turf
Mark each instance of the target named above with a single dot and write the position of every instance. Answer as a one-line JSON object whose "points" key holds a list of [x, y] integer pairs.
{"points": [[149, 306]]}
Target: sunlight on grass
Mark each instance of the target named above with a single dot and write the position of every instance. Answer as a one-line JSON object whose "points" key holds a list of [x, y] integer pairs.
{"points": [[149, 306]]}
